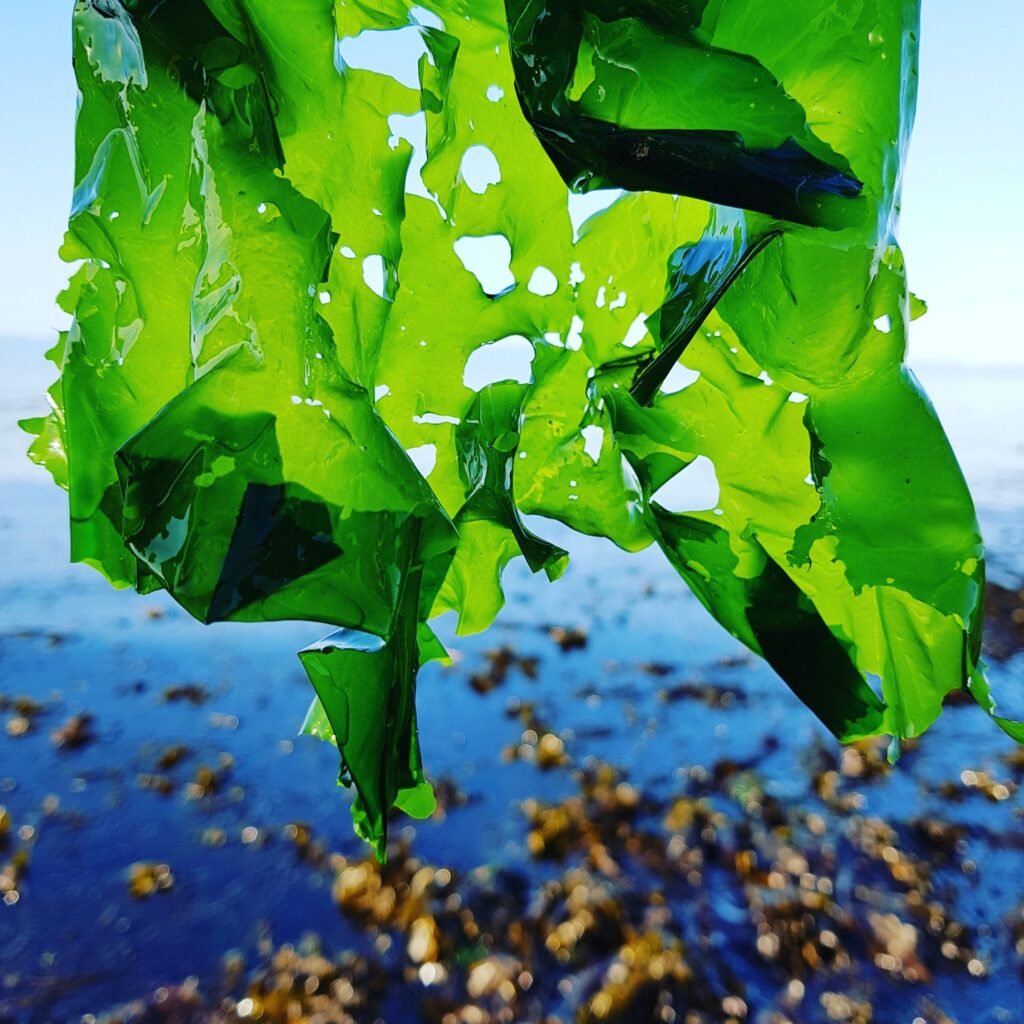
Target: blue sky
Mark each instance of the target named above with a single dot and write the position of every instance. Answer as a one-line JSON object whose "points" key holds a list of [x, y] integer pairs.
{"points": [[963, 217]]}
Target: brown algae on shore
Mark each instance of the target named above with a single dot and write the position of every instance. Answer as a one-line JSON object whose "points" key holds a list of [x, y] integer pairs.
{"points": [[599, 939], [823, 903]]}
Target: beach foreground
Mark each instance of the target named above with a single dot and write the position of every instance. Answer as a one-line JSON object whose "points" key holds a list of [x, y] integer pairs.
{"points": [[638, 823]]}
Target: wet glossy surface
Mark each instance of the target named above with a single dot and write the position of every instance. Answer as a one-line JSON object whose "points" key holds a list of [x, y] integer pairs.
{"points": [[265, 405]]}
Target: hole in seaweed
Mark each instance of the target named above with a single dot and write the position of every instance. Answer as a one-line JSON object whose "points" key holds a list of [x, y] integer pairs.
{"points": [[434, 418], [692, 489], [574, 339], [479, 169], [637, 331], [412, 128], [543, 282], [428, 19], [590, 204], [393, 52], [379, 276], [509, 358], [874, 680], [424, 458], [593, 441], [489, 259], [679, 377]]}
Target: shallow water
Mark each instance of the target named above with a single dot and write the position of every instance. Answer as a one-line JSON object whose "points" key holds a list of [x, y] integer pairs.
{"points": [[75, 942]]}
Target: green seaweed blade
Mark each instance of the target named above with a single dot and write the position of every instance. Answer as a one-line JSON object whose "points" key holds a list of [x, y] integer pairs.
{"points": [[345, 315]]}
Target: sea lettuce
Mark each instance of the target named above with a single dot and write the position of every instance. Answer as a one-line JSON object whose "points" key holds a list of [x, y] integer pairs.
{"points": [[344, 313]]}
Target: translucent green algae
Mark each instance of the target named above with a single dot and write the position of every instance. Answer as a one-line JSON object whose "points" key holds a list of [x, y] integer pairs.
{"points": [[281, 210]]}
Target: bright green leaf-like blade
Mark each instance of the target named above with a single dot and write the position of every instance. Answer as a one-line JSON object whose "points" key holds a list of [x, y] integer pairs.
{"points": [[344, 316]]}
